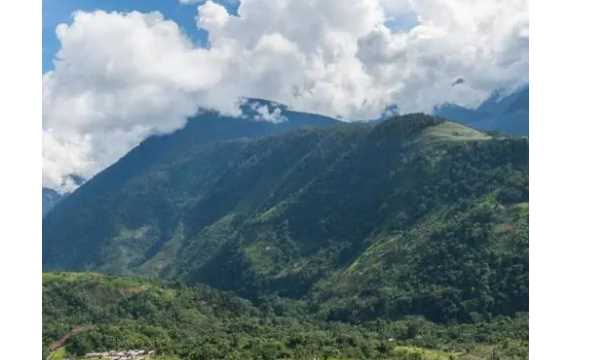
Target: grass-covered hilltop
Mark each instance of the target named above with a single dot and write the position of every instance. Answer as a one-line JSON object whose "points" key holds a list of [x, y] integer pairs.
{"points": [[401, 239]]}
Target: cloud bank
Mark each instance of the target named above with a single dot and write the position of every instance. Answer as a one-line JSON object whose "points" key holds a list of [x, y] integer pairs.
{"points": [[120, 77]]}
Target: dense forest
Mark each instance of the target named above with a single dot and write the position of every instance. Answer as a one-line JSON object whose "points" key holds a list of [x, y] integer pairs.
{"points": [[181, 322], [339, 237]]}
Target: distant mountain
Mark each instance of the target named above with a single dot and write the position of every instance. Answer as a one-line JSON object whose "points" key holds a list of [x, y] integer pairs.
{"points": [[412, 215], [508, 114], [49, 199]]}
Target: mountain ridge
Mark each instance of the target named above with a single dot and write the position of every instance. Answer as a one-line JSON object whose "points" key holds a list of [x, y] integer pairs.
{"points": [[50, 198], [508, 113], [289, 213]]}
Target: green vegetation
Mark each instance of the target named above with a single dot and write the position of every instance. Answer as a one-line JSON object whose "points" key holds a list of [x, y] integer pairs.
{"points": [[413, 229], [414, 216], [182, 322], [59, 354]]}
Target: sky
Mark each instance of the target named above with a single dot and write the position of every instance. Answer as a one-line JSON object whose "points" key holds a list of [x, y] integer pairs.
{"points": [[118, 71], [61, 11]]}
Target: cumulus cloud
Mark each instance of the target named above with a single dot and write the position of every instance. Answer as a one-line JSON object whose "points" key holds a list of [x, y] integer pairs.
{"points": [[191, 2], [120, 77], [264, 111]]}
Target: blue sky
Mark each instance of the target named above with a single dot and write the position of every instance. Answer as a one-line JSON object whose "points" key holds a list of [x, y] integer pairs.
{"points": [[348, 59], [60, 11]]}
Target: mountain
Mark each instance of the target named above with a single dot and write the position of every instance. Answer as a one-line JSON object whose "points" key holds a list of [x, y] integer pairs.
{"points": [[49, 199], [204, 128], [504, 113], [411, 216]]}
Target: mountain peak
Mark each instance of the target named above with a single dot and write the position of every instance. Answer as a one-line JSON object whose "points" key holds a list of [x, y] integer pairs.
{"points": [[405, 125], [501, 111]]}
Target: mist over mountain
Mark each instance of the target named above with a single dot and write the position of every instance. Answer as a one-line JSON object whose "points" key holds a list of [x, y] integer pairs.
{"points": [[51, 197], [505, 113], [49, 200]]}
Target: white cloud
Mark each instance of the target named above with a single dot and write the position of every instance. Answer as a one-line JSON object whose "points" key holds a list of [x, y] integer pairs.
{"points": [[118, 78], [212, 16], [191, 2], [270, 111], [121, 77]]}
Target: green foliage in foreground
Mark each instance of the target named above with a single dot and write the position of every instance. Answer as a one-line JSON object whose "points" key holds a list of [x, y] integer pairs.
{"points": [[201, 323]]}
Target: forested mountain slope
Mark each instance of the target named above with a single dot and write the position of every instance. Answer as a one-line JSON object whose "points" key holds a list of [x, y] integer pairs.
{"points": [[414, 215]]}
